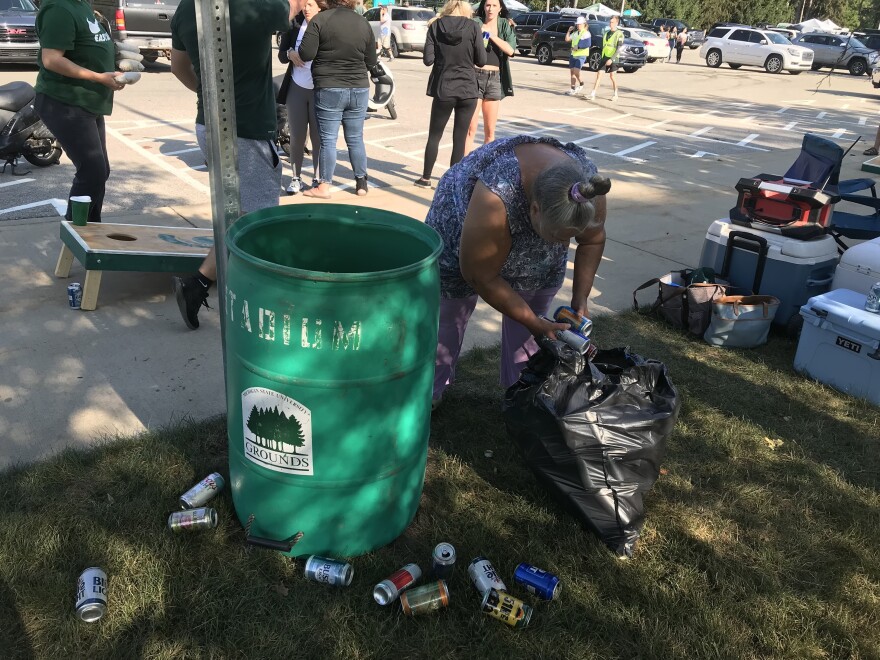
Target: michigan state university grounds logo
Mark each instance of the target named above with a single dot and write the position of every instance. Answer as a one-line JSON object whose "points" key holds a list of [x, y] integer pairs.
{"points": [[277, 431]]}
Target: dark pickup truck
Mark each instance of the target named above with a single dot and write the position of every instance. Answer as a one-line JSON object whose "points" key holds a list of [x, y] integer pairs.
{"points": [[144, 25], [694, 38]]}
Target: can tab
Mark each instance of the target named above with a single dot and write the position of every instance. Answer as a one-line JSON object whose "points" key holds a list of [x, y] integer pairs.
{"points": [[270, 544]]}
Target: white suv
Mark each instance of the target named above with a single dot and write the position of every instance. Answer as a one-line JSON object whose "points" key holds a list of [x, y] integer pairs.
{"points": [[737, 46]]}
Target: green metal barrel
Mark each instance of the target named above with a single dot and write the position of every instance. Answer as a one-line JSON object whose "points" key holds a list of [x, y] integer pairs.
{"points": [[331, 332]]}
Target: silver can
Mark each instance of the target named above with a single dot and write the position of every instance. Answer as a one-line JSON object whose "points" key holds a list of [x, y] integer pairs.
{"points": [[203, 492], [91, 594], [484, 576], [192, 519], [443, 561], [329, 571], [872, 302]]}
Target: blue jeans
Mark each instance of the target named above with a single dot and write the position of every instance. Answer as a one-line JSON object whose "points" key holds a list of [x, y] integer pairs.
{"points": [[348, 106]]}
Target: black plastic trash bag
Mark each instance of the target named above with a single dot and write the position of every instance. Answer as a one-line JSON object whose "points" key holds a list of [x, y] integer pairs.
{"points": [[594, 433]]}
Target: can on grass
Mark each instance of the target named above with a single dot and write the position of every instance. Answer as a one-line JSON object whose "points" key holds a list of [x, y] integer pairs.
{"points": [[329, 571], [484, 576], [74, 295], [424, 599], [192, 519], [504, 607], [443, 561], [91, 594], [389, 589], [203, 492], [539, 582]]}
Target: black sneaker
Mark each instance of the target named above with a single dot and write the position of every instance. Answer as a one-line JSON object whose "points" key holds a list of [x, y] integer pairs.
{"points": [[361, 185], [191, 296]]}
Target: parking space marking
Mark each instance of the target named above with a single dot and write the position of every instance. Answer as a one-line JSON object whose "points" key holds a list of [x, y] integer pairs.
{"points": [[15, 183], [782, 110], [619, 117], [749, 118], [821, 115], [637, 147], [844, 106], [790, 125], [398, 137], [700, 154], [590, 138], [840, 132], [180, 173], [60, 206], [167, 137], [747, 139], [658, 123], [663, 107], [631, 159], [181, 151], [705, 129], [863, 121]]}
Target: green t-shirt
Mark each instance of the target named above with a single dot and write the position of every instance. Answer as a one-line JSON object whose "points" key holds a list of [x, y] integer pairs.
{"points": [[71, 26], [252, 24], [611, 42]]}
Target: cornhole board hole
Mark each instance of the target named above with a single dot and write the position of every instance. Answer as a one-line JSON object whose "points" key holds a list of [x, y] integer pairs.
{"points": [[872, 165], [101, 246]]}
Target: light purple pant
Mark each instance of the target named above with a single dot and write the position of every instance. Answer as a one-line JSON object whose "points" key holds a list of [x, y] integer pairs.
{"points": [[517, 343]]}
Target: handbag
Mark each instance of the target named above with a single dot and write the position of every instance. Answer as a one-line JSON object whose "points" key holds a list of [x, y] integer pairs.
{"points": [[684, 303], [741, 321]]}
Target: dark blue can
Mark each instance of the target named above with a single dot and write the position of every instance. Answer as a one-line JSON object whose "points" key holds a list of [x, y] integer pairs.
{"points": [[537, 581], [74, 295]]}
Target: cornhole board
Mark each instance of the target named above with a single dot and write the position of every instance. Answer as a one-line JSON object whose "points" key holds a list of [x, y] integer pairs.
{"points": [[101, 246], [872, 165]]}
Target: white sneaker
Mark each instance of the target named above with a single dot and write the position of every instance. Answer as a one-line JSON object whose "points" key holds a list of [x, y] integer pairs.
{"points": [[614, 98], [295, 186], [571, 92], [579, 89], [592, 95]]}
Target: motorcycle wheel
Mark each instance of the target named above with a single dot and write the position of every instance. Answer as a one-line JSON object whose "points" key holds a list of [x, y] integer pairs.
{"points": [[42, 156], [391, 109]]}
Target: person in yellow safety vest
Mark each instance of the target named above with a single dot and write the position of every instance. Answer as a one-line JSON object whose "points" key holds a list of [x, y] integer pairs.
{"points": [[579, 37], [612, 40]]}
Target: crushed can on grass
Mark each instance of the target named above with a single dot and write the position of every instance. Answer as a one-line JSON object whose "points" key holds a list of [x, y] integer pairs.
{"points": [[504, 607], [192, 519], [539, 582], [203, 492], [389, 589], [484, 576], [74, 295], [424, 599], [443, 561], [91, 594], [325, 570]]}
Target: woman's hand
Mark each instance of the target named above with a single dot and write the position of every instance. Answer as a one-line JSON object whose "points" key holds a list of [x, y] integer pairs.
{"points": [[294, 57], [108, 79], [544, 328]]}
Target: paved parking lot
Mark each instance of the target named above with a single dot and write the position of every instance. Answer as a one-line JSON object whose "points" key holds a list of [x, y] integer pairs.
{"points": [[666, 114]]}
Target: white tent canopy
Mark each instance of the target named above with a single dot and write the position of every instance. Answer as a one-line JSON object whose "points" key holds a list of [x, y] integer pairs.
{"points": [[815, 25], [514, 5], [596, 8]]}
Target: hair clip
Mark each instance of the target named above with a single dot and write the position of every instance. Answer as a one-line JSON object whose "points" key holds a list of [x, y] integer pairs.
{"points": [[576, 195]]}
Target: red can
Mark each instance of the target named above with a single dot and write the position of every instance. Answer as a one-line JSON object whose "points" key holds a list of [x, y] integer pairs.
{"points": [[389, 589]]}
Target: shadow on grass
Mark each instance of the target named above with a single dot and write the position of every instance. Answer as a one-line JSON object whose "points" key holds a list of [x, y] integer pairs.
{"points": [[748, 551]]}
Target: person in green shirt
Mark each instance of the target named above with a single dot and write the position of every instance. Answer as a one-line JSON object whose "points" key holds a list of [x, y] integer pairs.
{"points": [[612, 40], [252, 25], [579, 37], [75, 88]]}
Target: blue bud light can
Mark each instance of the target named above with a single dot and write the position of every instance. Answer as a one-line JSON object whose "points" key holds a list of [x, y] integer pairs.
{"points": [[537, 581], [74, 295]]}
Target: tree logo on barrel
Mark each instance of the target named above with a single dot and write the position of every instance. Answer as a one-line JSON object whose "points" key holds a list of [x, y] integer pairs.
{"points": [[277, 431]]}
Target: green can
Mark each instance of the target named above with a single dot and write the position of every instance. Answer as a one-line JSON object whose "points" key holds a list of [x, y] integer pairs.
{"points": [[331, 334]]}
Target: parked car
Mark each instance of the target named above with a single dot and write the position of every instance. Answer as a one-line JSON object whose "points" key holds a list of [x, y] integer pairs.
{"points": [[409, 27], [788, 33], [871, 38], [549, 44], [694, 37], [146, 26], [529, 23], [748, 46], [838, 52], [656, 47], [18, 34]]}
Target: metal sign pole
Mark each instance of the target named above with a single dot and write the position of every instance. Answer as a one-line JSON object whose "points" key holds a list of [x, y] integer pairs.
{"points": [[218, 100]]}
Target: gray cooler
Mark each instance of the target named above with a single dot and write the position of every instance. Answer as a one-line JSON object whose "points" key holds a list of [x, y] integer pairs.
{"points": [[789, 269]]}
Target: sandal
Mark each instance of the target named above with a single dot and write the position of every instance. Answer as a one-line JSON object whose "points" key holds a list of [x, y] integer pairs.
{"points": [[871, 151]]}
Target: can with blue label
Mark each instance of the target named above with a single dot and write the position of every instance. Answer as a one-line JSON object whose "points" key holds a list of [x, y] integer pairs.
{"points": [[74, 295], [539, 582]]}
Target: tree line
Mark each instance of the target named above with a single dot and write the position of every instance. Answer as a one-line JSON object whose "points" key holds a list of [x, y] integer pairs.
{"points": [[273, 429]]}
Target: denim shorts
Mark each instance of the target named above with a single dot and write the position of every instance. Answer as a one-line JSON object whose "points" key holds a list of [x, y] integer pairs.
{"points": [[489, 85], [576, 62]]}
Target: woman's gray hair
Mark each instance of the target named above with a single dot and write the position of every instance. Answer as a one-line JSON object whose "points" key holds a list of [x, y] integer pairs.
{"points": [[564, 196]]}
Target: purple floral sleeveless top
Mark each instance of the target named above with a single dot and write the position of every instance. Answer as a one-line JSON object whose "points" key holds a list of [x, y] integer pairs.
{"points": [[533, 263]]}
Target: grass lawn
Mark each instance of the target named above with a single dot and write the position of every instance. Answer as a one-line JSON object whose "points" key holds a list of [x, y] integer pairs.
{"points": [[761, 540]]}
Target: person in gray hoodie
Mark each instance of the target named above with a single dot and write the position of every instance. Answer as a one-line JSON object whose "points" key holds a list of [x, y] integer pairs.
{"points": [[453, 47]]}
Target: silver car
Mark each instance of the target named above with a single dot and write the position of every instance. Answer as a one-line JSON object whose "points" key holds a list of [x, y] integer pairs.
{"points": [[409, 27], [838, 52]]}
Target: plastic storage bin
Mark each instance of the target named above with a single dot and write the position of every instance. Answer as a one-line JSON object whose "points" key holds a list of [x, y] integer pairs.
{"points": [[794, 270], [859, 268], [840, 344]]}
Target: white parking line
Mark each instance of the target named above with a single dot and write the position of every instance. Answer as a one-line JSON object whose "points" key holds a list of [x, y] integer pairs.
{"points": [[840, 132], [844, 106], [595, 136], [630, 159], [166, 137], [747, 139], [700, 154], [398, 137], [159, 161], [705, 129], [820, 115], [15, 183], [658, 123], [749, 118], [619, 117], [182, 151], [782, 110], [663, 107], [790, 125], [60, 206], [637, 147], [863, 121]]}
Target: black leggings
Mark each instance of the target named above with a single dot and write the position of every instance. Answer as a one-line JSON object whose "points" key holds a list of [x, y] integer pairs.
{"points": [[440, 111], [82, 137], [678, 48]]}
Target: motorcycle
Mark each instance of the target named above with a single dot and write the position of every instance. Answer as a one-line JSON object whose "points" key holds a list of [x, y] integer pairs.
{"points": [[383, 90], [22, 132]]}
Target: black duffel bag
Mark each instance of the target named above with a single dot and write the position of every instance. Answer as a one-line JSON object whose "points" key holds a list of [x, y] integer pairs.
{"points": [[594, 433]]}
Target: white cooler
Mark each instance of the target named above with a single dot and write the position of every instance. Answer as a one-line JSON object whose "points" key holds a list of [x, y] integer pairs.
{"points": [[859, 267], [840, 344]]}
